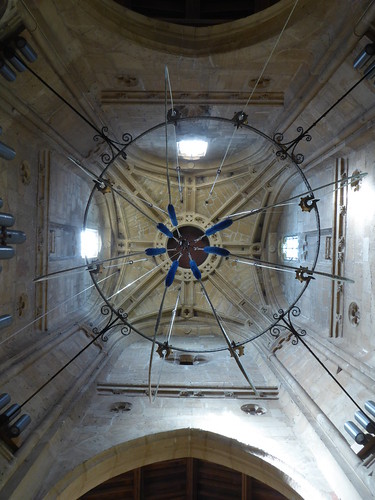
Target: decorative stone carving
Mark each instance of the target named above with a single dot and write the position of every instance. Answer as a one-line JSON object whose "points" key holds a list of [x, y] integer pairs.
{"points": [[22, 304], [252, 409], [121, 407], [25, 173], [354, 314]]}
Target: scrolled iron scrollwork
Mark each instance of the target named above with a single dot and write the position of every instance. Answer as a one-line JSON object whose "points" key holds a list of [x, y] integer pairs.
{"points": [[279, 314], [116, 147], [275, 332], [126, 330], [295, 311], [115, 318], [288, 147], [122, 313], [284, 322], [126, 139], [105, 310]]}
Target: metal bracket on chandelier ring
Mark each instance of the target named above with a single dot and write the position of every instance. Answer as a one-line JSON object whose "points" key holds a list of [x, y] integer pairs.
{"points": [[310, 193], [303, 274]]}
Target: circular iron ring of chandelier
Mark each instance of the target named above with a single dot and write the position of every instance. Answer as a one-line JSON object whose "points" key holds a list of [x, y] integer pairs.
{"points": [[272, 172]]}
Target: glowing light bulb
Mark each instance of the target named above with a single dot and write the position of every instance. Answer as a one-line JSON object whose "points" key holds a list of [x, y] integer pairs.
{"points": [[192, 149], [90, 243]]}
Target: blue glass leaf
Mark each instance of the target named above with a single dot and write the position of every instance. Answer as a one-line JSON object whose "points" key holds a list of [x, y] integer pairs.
{"points": [[155, 251], [171, 273], [217, 251], [195, 270], [219, 226], [163, 229], [172, 215]]}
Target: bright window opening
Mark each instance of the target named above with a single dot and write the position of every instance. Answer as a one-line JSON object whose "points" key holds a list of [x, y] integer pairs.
{"points": [[290, 248], [192, 149], [90, 243]]}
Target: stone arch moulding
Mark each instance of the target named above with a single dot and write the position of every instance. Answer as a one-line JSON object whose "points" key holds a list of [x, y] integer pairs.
{"points": [[183, 443], [166, 37]]}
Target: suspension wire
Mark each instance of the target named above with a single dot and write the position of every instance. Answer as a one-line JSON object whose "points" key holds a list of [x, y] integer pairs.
{"points": [[53, 309], [75, 110], [250, 97], [168, 337], [61, 369], [166, 76], [271, 54], [331, 375], [365, 75], [178, 168]]}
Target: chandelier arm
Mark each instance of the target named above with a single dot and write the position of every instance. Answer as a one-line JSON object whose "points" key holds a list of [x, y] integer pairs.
{"points": [[83, 266], [84, 169], [134, 281], [147, 203], [227, 340], [126, 263], [166, 343], [342, 182], [286, 268], [133, 205], [154, 342]]}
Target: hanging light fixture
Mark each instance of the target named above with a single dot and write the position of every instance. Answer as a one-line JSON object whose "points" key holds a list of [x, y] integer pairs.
{"points": [[169, 235]]}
